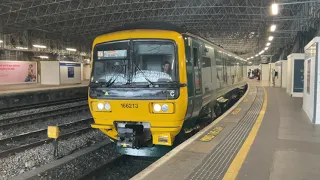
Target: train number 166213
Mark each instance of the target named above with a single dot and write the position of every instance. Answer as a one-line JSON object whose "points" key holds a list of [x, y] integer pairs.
{"points": [[129, 105]]}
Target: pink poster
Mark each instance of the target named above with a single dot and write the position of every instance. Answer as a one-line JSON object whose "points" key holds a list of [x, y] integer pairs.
{"points": [[14, 72]]}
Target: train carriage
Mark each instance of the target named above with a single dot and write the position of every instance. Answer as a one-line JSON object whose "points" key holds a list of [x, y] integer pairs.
{"points": [[152, 81]]}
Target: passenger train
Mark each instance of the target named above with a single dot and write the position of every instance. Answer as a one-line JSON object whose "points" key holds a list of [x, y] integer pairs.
{"points": [[151, 81]]}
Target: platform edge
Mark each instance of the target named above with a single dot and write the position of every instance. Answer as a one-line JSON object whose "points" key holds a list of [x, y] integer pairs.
{"points": [[237, 162], [180, 147]]}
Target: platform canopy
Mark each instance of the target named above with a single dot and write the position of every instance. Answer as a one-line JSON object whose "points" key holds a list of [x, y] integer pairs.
{"points": [[240, 26]]}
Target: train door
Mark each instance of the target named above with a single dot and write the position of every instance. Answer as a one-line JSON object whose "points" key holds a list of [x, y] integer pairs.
{"points": [[196, 54]]}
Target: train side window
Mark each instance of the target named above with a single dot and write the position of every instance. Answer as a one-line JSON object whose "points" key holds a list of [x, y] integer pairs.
{"points": [[206, 62], [195, 57]]}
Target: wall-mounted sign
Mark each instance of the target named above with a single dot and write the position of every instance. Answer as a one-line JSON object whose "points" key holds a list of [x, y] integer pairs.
{"points": [[70, 72], [18, 72], [298, 76]]}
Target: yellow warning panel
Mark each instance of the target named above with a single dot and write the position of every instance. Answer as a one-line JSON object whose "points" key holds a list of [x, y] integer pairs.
{"points": [[236, 111], [53, 132], [245, 100], [210, 135]]}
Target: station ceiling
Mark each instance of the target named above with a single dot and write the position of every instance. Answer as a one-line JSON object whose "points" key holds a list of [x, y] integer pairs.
{"points": [[240, 26]]}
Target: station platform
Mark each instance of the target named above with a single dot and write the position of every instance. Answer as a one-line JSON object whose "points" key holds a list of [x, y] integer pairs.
{"points": [[19, 95], [16, 88], [266, 135]]}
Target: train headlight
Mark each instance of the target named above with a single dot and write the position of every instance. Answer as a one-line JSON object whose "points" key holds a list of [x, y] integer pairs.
{"points": [[162, 108], [107, 106], [156, 107], [100, 106], [165, 108]]}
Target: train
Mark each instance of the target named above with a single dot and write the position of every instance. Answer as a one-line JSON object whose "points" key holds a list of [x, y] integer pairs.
{"points": [[152, 81]]}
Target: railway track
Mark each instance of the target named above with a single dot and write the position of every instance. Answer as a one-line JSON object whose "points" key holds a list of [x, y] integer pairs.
{"points": [[34, 106], [32, 139], [119, 167], [40, 116]]}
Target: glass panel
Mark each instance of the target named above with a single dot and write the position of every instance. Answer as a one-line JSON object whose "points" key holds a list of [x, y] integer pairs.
{"points": [[311, 51], [154, 60], [111, 62]]}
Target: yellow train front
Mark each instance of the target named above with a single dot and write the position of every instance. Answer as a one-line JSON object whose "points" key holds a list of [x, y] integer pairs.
{"points": [[143, 91]]}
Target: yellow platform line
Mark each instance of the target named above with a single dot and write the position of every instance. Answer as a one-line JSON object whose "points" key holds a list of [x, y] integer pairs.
{"points": [[237, 162]]}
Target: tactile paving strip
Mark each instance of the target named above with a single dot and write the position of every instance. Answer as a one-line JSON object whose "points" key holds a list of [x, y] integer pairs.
{"points": [[218, 161]]}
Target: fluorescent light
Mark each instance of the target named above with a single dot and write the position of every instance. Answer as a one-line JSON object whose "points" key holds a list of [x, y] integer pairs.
{"points": [[256, 55], [268, 44], [266, 48], [44, 57], [19, 47], [262, 51], [251, 57], [248, 58], [274, 9], [71, 49], [1, 41], [270, 38], [39, 46], [273, 27]]}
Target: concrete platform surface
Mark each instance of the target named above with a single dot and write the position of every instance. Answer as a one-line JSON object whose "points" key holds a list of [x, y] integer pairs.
{"points": [[286, 145]]}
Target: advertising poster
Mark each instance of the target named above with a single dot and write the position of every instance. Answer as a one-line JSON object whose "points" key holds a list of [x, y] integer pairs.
{"points": [[308, 75], [298, 75], [15, 72], [70, 72]]}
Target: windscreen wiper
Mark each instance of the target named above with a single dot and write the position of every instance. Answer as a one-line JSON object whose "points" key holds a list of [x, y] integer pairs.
{"points": [[145, 77], [113, 78]]}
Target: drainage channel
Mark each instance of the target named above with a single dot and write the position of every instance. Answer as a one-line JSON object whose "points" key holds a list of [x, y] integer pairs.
{"points": [[217, 162]]}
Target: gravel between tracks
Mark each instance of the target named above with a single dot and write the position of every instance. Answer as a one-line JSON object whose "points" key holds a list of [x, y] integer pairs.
{"points": [[5, 133], [81, 165], [124, 170], [32, 158], [45, 108]]}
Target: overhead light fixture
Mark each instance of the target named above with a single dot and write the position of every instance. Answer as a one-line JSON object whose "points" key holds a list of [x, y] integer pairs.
{"points": [[262, 51], [273, 27], [39, 46], [19, 47], [248, 58], [44, 57], [71, 49], [275, 9], [266, 48], [251, 57], [1, 41], [270, 38], [268, 44]]}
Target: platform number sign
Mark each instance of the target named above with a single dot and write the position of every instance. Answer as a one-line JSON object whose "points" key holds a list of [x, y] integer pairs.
{"points": [[70, 72]]}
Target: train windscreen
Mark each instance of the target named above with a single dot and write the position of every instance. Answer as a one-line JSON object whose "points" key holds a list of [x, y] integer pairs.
{"points": [[135, 62]]}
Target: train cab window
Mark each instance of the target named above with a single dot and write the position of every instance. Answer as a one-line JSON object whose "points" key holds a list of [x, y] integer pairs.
{"points": [[155, 60]]}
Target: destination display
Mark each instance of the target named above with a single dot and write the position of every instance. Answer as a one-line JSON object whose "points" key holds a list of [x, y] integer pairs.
{"points": [[114, 54]]}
